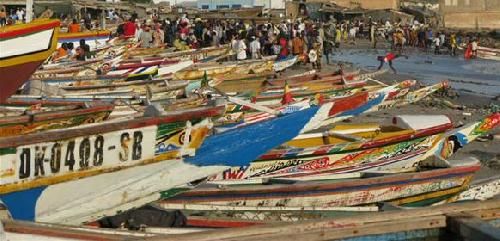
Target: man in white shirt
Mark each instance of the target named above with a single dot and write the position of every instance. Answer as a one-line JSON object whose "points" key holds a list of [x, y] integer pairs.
{"points": [[20, 14], [255, 48], [241, 50], [437, 44]]}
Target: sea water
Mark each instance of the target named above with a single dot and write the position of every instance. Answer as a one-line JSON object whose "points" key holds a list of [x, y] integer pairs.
{"points": [[478, 76]]}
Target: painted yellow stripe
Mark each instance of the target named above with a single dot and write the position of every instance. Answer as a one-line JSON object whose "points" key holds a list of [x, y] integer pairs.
{"points": [[84, 34], [45, 181], [425, 196]]}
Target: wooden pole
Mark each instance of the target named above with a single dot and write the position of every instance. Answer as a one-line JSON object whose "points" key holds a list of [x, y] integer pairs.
{"points": [[29, 10]]}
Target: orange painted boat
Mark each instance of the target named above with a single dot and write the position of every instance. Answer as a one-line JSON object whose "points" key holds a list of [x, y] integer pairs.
{"points": [[24, 47]]}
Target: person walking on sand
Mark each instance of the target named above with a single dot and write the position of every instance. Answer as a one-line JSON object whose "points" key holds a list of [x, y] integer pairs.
{"points": [[474, 48], [388, 58], [437, 45]]}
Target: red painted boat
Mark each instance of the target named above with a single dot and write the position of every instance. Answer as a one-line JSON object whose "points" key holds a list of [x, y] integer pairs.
{"points": [[24, 47]]}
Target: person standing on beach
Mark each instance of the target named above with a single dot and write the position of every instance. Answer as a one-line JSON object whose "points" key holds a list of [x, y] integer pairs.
{"points": [[474, 48], [255, 48], [453, 44], [298, 45], [338, 37], [388, 58], [373, 36], [241, 49], [3, 16], [437, 45], [146, 37]]}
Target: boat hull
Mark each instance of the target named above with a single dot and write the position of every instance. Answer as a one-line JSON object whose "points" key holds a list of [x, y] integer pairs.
{"points": [[332, 194], [24, 48], [136, 186]]}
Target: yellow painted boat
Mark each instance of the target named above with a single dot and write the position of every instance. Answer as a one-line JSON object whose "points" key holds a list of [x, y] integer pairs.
{"points": [[366, 135]]}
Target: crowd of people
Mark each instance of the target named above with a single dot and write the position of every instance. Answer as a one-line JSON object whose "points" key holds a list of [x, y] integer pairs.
{"points": [[14, 16], [312, 41]]}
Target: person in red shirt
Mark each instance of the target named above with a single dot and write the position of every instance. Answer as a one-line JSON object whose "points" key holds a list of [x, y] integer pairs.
{"points": [[129, 28], [283, 42], [388, 58]]}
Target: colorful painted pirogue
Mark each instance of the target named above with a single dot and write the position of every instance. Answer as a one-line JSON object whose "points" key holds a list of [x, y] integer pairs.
{"points": [[340, 158], [108, 159], [337, 109], [35, 121], [324, 194], [239, 68], [34, 164], [23, 48]]}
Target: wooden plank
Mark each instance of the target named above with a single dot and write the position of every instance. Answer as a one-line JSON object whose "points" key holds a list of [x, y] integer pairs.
{"points": [[471, 228], [210, 207], [300, 227], [60, 231], [356, 231], [489, 214]]}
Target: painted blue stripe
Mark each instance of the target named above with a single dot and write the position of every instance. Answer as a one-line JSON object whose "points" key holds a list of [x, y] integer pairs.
{"points": [[360, 110], [22, 204], [306, 191], [238, 147]]}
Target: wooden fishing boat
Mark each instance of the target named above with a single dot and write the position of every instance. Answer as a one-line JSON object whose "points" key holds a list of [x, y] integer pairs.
{"points": [[35, 121], [24, 48], [351, 104], [147, 52], [285, 63], [385, 98], [488, 53], [125, 188], [428, 223], [336, 193], [36, 165], [94, 38], [367, 135], [332, 159], [245, 68]]}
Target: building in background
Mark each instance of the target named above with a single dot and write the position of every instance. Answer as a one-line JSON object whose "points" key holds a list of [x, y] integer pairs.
{"points": [[470, 14], [235, 4], [363, 4]]}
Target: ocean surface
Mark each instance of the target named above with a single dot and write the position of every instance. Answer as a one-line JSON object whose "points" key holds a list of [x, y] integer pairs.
{"points": [[478, 76]]}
